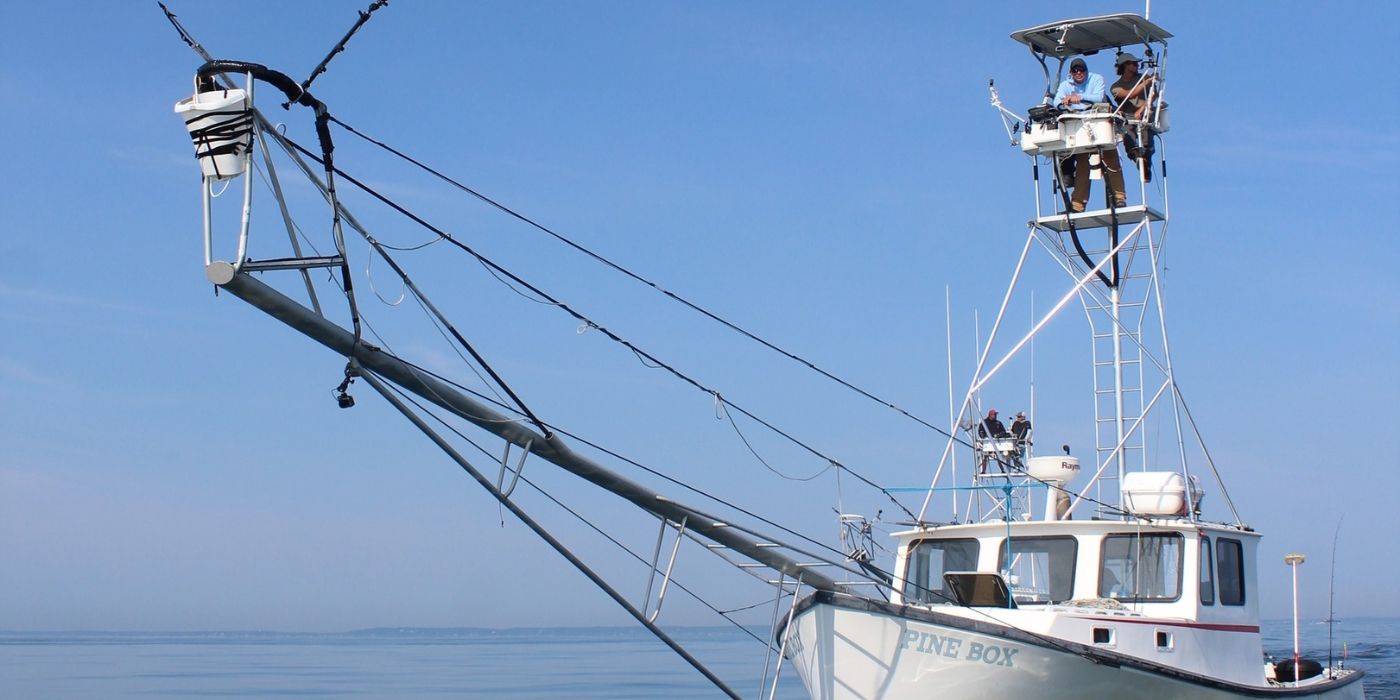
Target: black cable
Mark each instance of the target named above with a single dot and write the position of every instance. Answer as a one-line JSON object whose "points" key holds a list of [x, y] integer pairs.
{"points": [[876, 573], [650, 470], [645, 356], [1112, 199], [452, 329], [298, 94], [1074, 232], [544, 534], [1051, 641], [340, 45], [639, 558], [676, 297], [579, 516], [327, 162], [763, 461], [611, 335]]}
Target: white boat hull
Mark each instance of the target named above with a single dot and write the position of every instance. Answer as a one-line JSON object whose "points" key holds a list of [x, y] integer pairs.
{"points": [[857, 648]]}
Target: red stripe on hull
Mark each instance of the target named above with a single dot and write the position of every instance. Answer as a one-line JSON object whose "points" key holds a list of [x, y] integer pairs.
{"points": [[1173, 623]]}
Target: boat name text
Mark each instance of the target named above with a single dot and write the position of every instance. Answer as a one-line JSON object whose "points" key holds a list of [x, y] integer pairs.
{"points": [[953, 648]]}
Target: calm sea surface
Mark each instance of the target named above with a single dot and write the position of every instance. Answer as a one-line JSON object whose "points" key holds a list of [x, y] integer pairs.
{"points": [[518, 663]]}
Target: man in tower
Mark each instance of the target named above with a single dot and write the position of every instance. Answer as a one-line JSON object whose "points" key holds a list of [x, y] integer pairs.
{"points": [[1078, 93], [1130, 94], [993, 428], [1020, 427]]}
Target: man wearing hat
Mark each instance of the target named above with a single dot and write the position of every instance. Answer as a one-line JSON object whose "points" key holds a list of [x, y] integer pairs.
{"points": [[1130, 93], [1020, 427], [991, 427], [1080, 92]]}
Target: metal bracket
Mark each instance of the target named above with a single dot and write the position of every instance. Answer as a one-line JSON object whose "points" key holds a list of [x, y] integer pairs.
{"points": [[655, 559], [787, 635], [207, 196], [292, 263]]}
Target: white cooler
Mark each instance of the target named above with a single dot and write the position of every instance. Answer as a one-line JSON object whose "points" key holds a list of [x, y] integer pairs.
{"points": [[1158, 493]]}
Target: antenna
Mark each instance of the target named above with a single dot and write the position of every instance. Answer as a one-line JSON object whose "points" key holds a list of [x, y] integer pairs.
{"points": [[1332, 593], [952, 417], [1032, 407]]}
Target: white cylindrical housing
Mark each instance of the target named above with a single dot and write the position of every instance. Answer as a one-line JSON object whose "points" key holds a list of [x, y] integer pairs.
{"points": [[221, 126], [1056, 469]]}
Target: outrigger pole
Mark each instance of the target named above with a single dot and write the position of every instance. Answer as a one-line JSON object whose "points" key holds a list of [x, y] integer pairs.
{"points": [[550, 448], [558, 546]]}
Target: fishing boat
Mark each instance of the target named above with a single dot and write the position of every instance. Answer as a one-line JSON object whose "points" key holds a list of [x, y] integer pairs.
{"points": [[1118, 587], [1051, 578]]}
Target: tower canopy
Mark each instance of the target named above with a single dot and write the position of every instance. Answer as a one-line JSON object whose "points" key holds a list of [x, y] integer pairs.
{"points": [[1070, 37]]}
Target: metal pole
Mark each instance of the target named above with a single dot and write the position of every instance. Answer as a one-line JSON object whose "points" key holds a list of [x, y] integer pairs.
{"points": [[1294, 560], [768, 656], [787, 634], [1167, 356], [1114, 297], [551, 449], [981, 362], [544, 534], [286, 216], [952, 419], [247, 188]]}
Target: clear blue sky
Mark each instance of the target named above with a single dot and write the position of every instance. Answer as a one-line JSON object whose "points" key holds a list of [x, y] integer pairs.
{"points": [[818, 172]]}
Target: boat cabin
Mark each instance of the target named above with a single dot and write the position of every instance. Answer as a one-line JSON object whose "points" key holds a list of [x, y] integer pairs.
{"points": [[1163, 590], [1173, 569]]}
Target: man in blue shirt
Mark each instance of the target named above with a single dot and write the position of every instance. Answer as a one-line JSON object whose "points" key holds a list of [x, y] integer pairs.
{"points": [[1080, 92]]}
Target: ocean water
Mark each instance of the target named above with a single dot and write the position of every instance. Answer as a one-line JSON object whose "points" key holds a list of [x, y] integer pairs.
{"points": [[610, 662]]}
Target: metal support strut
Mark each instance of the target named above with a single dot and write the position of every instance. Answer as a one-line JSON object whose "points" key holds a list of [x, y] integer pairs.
{"points": [[543, 534], [655, 559]]}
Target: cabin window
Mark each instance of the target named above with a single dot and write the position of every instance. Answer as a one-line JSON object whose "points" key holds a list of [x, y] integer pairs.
{"points": [[1141, 568], [1207, 574], [1039, 569], [1229, 558], [928, 560]]}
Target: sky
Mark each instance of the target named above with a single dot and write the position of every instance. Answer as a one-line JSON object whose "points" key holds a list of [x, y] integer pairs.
{"points": [[819, 173]]}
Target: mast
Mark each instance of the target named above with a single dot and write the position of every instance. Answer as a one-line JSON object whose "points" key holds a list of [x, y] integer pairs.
{"points": [[1111, 251]]}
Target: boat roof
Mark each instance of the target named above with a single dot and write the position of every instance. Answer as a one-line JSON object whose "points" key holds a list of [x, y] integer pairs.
{"points": [[1070, 37], [1040, 528]]}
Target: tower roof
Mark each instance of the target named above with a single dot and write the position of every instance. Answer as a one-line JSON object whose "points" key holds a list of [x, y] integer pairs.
{"points": [[1070, 37]]}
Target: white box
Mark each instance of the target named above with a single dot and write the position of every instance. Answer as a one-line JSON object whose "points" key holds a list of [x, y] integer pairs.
{"points": [[1157, 493], [1084, 131], [1042, 137]]}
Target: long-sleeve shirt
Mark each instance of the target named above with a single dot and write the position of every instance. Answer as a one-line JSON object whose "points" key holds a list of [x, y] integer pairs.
{"points": [[993, 427], [1090, 91]]}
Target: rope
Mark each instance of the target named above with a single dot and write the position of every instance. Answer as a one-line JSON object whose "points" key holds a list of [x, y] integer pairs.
{"points": [[619, 268], [591, 323], [340, 45], [540, 490]]}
